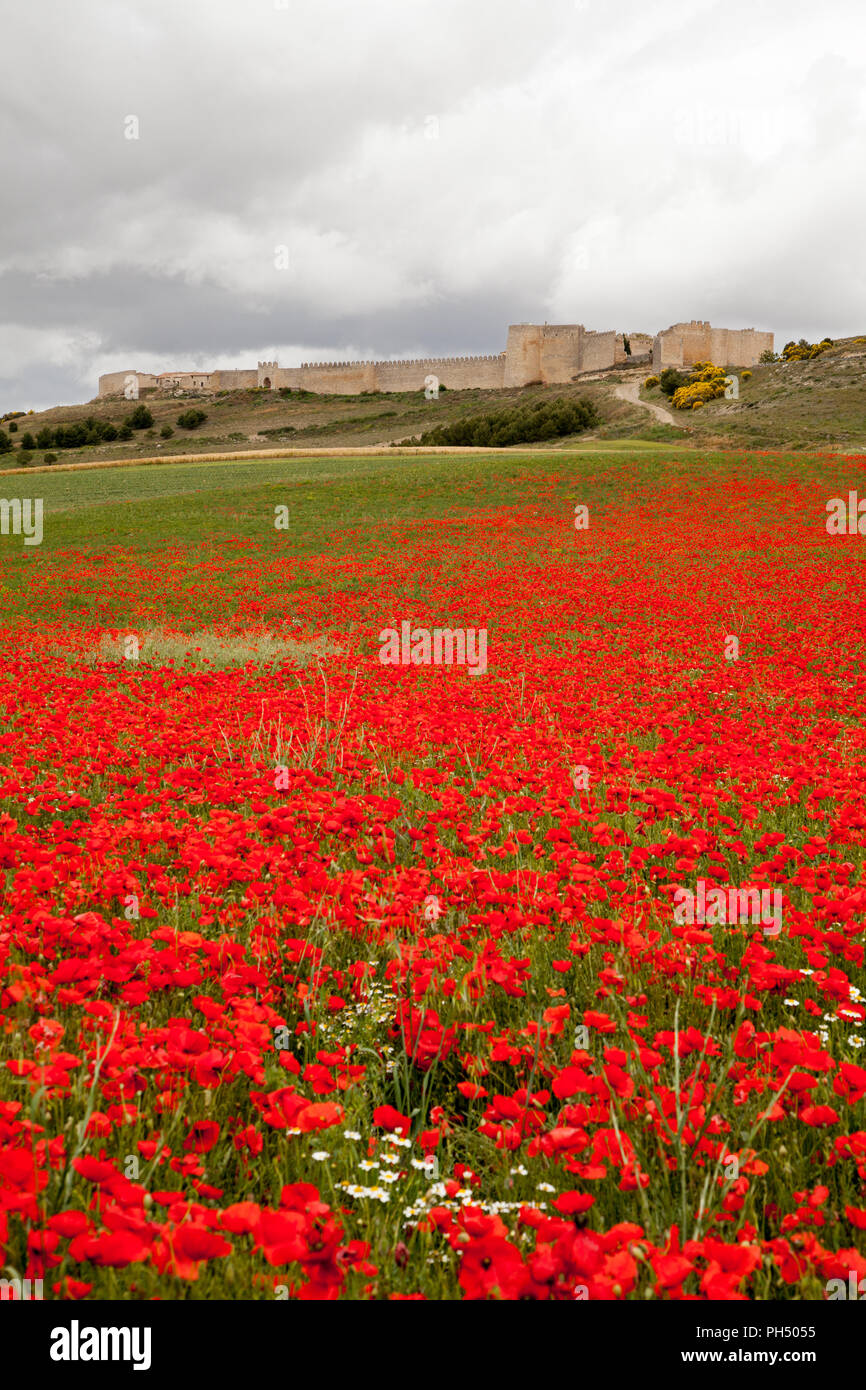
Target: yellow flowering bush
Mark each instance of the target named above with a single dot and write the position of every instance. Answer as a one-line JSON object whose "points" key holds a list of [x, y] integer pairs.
{"points": [[803, 351], [650, 382], [706, 383]]}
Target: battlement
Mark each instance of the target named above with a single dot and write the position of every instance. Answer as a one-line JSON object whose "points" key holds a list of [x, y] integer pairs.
{"points": [[400, 362], [547, 353]]}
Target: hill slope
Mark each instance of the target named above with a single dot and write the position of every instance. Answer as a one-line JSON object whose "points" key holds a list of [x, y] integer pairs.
{"points": [[797, 405], [789, 405]]}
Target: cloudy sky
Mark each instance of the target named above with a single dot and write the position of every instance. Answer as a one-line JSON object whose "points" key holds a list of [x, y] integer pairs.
{"points": [[210, 182]]}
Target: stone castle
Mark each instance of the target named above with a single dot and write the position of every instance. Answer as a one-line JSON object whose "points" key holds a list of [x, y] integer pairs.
{"points": [[545, 354]]}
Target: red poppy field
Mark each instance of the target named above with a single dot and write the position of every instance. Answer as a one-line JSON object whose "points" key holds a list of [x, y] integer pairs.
{"points": [[327, 979]]}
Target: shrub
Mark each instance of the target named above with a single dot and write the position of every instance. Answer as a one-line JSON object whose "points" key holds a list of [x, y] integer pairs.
{"points": [[78, 434], [650, 382], [804, 351], [28, 442], [705, 383], [13, 427], [71, 436], [768, 355], [521, 425], [5, 442], [746, 376], [50, 458], [671, 380], [25, 457], [140, 418], [191, 419], [125, 431], [166, 432]]}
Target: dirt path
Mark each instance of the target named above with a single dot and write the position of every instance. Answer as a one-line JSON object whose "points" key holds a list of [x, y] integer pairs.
{"points": [[629, 392]]}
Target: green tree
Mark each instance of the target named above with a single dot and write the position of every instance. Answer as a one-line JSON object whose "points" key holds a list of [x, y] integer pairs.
{"points": [[191, 419], [671, 380], [140, 418]]}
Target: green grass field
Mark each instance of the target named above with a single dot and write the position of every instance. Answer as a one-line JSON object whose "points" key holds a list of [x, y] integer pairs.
{"points": [[202, 518]]}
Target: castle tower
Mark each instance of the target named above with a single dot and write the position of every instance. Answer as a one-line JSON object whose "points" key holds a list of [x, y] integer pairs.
{"points": [[522, 354]]}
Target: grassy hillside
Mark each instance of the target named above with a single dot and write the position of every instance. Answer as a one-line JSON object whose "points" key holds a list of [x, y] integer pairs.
{"points": [[788, 405], [795, 405], [240, 420]]}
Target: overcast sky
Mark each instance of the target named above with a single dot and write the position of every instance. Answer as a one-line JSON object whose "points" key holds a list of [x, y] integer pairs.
{"points": [[318, 179]]}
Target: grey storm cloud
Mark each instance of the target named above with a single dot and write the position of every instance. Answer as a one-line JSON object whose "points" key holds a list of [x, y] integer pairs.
{"points": [[322, 178]]}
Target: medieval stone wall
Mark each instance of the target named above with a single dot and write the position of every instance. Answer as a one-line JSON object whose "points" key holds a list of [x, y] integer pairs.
{"points": [[545, 353], [113, 383], [641, 345], [234, 379], [351, 378], [598, 351], [684, 344], [522, 354], [560, 351]]}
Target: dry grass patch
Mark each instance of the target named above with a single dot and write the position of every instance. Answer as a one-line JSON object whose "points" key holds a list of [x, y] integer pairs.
{"points": [[205, 648]]}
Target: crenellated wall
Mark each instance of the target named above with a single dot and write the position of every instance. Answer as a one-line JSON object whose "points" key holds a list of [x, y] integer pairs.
{"points": [[551, 353], [548, 354], [350, 378]]}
